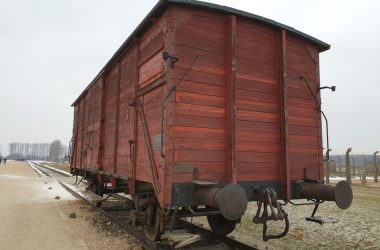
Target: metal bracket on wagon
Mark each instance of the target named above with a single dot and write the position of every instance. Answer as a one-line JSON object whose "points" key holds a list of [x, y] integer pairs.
{"points": [[173, 59], [318, 193], [268, 197]]}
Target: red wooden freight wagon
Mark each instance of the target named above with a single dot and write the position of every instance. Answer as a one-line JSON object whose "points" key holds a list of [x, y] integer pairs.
{"points": [[203, 109]]}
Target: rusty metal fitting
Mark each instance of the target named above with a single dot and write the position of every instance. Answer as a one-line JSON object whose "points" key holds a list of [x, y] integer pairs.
{"points": [[341, 193], [231, 200], [267, 197]]}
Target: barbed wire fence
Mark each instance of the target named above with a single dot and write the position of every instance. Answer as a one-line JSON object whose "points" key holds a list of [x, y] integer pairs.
{"points": [[352, 166]]}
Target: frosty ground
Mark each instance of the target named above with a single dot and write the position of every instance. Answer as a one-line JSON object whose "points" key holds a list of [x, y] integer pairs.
{"points": [[358, 226]]}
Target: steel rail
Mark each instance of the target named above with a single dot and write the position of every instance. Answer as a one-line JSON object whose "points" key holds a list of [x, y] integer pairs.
{"points": [[130, 229], [110, 213], [230, 243], [37, 166], [50, 169]]}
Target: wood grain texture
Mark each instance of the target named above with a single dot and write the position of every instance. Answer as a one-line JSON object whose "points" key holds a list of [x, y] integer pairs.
{"points": [[232, 100]]}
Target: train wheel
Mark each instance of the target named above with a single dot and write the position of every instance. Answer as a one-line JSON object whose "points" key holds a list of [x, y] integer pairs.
{"points": [[152, 229], [220, 225], [96, 187]]}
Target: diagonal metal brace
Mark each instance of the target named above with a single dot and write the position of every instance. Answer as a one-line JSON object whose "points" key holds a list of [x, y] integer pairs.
{"points": [[148, 145]]}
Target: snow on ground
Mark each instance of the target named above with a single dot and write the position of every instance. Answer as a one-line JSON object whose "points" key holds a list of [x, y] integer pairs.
{"points": [[45, 194], [13, 177], [337, 178]]}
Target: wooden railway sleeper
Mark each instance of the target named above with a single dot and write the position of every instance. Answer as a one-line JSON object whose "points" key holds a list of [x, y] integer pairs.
{"points": [[268, 197]]}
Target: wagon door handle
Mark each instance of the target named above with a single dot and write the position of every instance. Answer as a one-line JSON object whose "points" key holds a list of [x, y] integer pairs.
{"points": [[131, 151]]}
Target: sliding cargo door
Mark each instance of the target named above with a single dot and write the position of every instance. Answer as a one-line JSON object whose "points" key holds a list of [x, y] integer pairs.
{"points": [[110, 119], [92, 132], [86, 150], [126, 139], [118, 138], [80, 110]]}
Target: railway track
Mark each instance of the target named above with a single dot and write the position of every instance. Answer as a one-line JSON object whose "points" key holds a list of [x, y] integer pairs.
{"points": [[117, 207]]}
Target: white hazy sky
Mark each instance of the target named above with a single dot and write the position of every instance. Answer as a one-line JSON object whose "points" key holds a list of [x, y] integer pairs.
{"points": [[51, 49]]}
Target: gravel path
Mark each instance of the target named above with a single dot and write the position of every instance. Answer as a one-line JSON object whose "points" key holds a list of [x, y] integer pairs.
{"points": [[32, 217]]}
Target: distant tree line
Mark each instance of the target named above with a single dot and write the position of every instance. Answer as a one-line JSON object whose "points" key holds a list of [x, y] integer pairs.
{"points": [[37, 151]]}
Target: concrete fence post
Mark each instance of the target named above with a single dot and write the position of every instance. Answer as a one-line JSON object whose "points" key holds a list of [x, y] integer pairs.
{"points": [[353, 166], [340, 167], [348, 169], [375, 165], [365, 166], [363, 178], [327, 168]]}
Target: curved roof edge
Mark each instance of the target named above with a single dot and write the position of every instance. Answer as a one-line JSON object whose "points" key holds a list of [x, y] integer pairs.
{"points": [[322, 46]]}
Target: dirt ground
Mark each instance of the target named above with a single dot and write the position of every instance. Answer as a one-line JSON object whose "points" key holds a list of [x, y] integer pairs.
{"points": [[32, 217]]}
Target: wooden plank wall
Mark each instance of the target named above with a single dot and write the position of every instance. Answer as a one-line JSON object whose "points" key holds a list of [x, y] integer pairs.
{"points": [[305, 146], [95, 134], [75, 137], [198, 131], [151, 68], [87, 128], [151, 65], [257, 98], [81, 116], [92, 128], [126, 120], [199, 126], [140, 66], [109, 130]]}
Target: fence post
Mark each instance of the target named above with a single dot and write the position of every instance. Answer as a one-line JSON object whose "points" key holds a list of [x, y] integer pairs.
{"points": [[365, 165], [375, 165], [327, 164], [340, 167], [363, 178], [353, 166], [348, 170]]}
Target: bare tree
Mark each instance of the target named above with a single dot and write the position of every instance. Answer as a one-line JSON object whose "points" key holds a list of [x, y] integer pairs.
{"points": [[34, 151], [55, 150]]}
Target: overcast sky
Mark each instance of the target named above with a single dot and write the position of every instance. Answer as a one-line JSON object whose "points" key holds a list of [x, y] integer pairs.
{"points": [[51, 49]]}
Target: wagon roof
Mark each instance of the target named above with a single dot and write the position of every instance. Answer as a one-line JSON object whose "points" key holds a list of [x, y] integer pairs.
{"points": [[160, 6]]}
